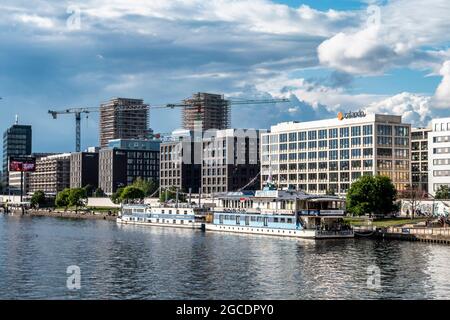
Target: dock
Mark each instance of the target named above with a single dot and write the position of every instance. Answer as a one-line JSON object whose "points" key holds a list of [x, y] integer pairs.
{"points": [[422, 234]]}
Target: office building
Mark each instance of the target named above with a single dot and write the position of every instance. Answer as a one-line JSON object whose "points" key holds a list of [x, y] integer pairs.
{"points": [[17, 141], [328, 155], [52, 174], [121, 167], [84, 169], [211, 109], [231, 160], [180, 162], [419, 158], [122, 118], [439, 154]]}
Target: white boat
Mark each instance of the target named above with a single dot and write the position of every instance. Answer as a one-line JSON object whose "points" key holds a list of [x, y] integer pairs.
{"points": [[180, 216], [288, 213]]}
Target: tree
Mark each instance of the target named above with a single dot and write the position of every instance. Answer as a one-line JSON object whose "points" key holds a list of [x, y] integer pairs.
{"points": [[115, 197], [62, 198], [99, 193], [76, 197], [443, 193], [372, 195], [89, 190], [131, 193], [149, 187], [171, 194], [38, 198]]}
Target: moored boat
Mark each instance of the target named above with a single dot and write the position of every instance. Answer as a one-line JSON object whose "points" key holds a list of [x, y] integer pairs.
{"points": [[288, 213], [178, 216]]}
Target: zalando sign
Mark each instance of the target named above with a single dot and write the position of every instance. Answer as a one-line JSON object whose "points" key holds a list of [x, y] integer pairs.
{"points": [[351, 115]]}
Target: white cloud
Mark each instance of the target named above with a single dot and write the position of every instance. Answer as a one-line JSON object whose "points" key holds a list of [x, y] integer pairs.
{"points": [[442, 95], [35, 20], [414, 108], [408, 33]]}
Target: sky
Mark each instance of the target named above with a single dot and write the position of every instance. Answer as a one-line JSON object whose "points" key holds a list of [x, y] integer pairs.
{"points": [[325, 56]]}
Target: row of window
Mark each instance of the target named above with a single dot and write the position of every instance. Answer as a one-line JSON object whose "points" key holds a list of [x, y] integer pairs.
{"points": [[330, 166]]}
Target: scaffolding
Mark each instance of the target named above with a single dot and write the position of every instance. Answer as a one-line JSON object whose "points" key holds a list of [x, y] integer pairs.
{"points": [[212, 109], [122, 118]]}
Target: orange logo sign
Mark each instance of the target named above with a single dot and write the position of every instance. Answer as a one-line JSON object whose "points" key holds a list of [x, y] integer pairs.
{"points": [[340, 116]]}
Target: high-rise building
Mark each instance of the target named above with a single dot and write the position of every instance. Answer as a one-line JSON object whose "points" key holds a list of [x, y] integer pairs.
{"points": [[17, 141], [52, 174], [84, 169], [231, 160], [122, 118], [439, 154], [328, 155], [121, 167], [180, 162], [419, 158], [211, 109]]}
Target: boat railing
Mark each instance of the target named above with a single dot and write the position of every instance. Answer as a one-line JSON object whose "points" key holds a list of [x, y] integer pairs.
{"points": [[334, 232]]}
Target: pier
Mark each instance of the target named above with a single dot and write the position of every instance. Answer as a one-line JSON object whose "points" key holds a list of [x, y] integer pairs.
{"points": [[430, 235]]}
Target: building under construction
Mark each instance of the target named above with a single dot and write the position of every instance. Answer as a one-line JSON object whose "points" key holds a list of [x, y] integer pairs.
{"points": [[122, 118], [212, 109]]}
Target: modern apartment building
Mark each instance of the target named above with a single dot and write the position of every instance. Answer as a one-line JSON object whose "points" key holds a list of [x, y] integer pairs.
{"points": [[15, 178], [84, 169], [52, 174], [439, 154], [17, 141], [180, 162], [212, 109], [328, 155], [419, 158], [122, 118], [121, 167], [231, 160]]}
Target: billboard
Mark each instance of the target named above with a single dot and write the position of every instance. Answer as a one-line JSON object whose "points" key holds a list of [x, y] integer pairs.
{"points": [[25, 164]]}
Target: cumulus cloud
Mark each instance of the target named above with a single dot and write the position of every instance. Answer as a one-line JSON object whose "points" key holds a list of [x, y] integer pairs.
{"points": [[400, 33], [442, 95], [414, 108]]}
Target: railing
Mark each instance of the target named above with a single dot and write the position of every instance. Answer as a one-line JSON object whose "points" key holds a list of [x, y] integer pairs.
{"points": [[334, 232], [422, 231]]}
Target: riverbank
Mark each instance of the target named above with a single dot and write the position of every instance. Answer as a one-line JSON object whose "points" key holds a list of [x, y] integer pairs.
{"points": [[67, 214]]}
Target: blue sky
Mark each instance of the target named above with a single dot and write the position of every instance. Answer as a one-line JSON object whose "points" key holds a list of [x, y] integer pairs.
{"points": [[326, 56]]}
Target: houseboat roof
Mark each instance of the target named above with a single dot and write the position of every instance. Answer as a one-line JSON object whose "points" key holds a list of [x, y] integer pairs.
{"points": [[277, 194]]}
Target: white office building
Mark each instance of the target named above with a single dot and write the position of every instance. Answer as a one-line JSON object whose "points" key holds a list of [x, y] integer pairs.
{"points": [[439, 154], [328, 155]]}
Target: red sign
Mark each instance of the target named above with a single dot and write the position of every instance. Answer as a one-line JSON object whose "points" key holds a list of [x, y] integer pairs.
{"points": [[25, 164]]}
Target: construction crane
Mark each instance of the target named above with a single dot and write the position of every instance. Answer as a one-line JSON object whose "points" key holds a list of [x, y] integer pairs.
{"points": [[77, 112], [229, 102], [196, 105]]}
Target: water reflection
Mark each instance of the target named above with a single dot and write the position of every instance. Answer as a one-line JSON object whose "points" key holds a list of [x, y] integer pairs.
{"points": [[129, 262]]}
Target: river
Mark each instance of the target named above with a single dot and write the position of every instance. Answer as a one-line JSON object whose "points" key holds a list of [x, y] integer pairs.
{"points": [[130, 262]]}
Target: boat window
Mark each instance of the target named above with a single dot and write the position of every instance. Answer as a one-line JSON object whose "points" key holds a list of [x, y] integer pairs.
{"points": [[238, 219], [275, 220], [289, 220], [162, 211], [170, 211], [182, 221], [283, 220], [185, 211], [266, 221], [247, 221], [174, 221], [221, 219]]}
